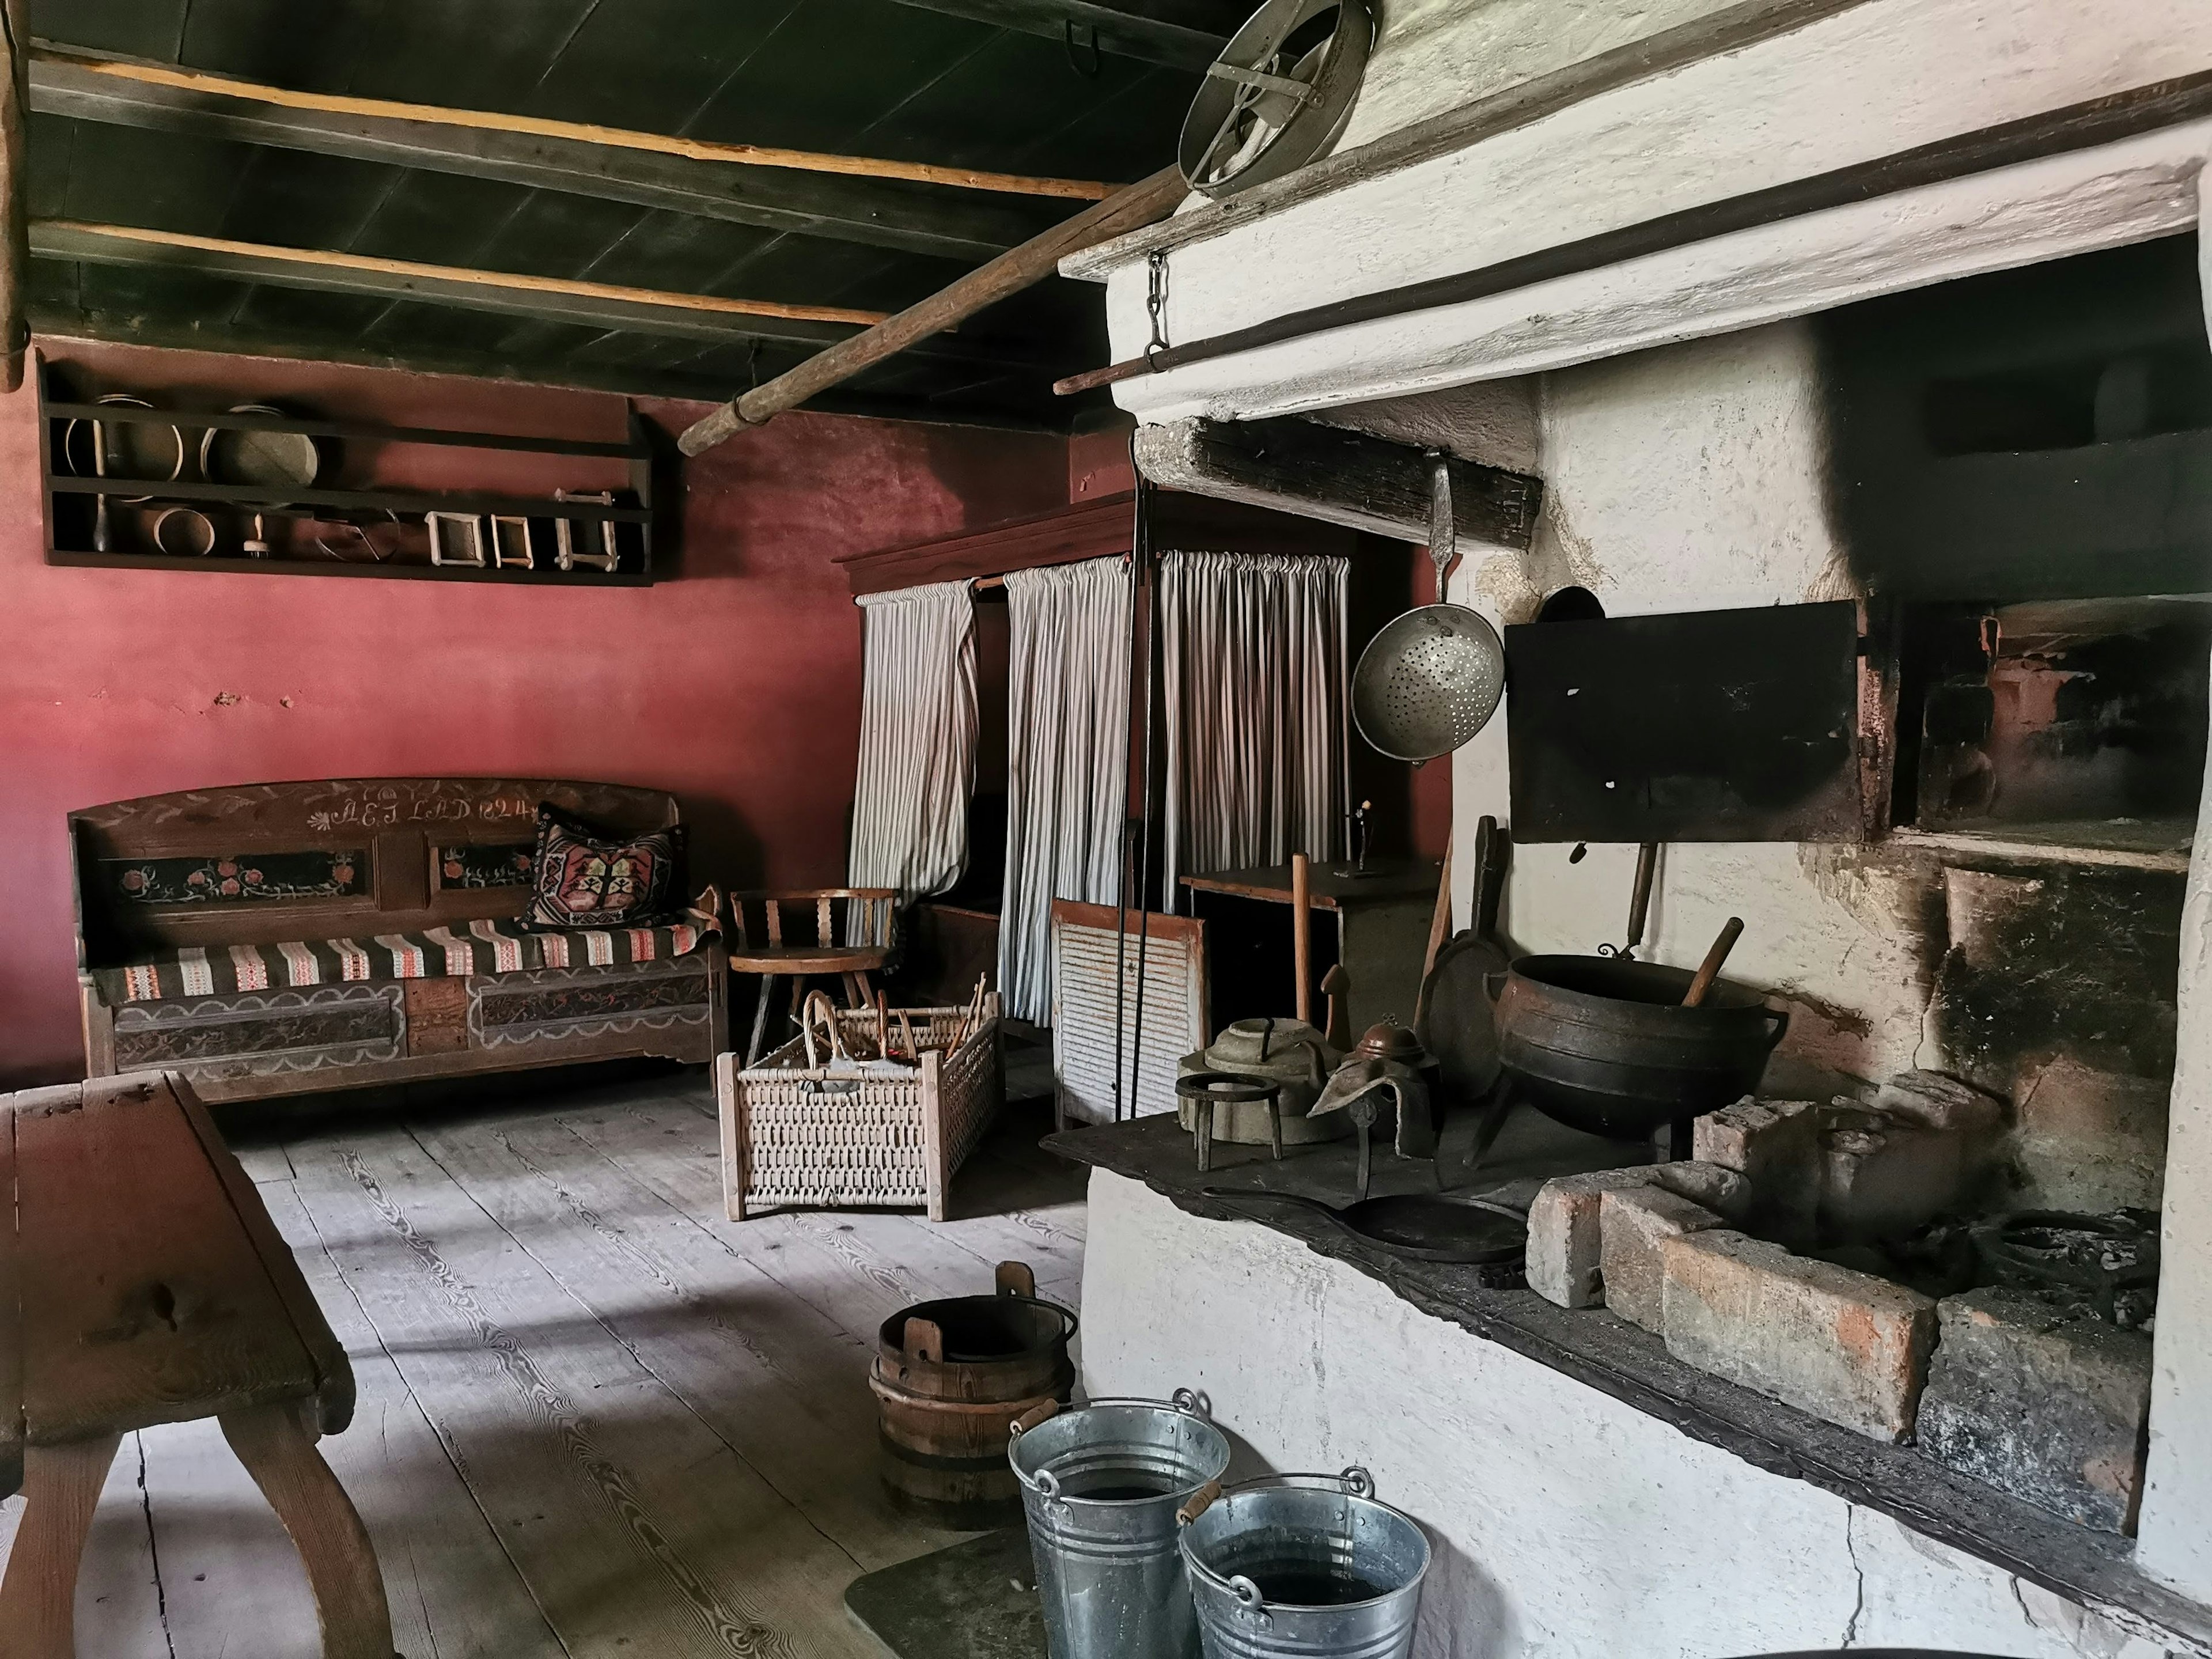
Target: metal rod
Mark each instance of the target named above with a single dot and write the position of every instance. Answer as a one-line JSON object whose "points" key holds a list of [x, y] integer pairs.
{"points": [[1121, 870], [1140, 571]]}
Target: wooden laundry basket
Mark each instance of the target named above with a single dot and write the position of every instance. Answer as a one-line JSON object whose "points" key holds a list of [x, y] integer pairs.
{"points": [[800, 1137]]}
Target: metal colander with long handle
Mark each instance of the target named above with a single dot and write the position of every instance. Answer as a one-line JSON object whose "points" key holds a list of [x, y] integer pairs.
{"points": [[1433, 678]]}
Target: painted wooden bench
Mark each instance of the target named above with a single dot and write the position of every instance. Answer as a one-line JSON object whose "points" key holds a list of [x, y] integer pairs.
{"points": [[142, 1282], [276, 938]]}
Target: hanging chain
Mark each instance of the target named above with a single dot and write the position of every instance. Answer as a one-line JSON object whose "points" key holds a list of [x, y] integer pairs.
{"points": [[1156, 303]]}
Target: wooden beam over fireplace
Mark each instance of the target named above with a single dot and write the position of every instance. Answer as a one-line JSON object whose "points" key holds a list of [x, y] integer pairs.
{"points": [[1344, 478]]}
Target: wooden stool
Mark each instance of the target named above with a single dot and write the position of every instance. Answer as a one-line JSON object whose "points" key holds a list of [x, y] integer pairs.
{"points": [[859, 949], [147, 1285]]}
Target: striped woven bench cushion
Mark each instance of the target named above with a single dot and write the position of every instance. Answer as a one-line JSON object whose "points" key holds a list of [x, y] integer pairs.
{"points": [[464, 948]]}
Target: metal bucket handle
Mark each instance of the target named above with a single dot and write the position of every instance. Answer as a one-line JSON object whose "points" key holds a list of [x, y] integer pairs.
{"points": [[1044, 1482], [1355, 1481]]}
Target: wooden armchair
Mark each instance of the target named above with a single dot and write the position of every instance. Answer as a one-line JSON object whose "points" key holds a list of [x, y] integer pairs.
{"points": [[850, 937]]}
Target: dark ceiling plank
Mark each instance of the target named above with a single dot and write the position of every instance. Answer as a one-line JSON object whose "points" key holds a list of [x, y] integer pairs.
{"points": [[881, 214], [1187, 36], [94, 245]]}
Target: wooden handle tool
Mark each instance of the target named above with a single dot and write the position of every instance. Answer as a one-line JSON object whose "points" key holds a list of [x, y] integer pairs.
{"points": [[1302, 932], [1710, 970]]}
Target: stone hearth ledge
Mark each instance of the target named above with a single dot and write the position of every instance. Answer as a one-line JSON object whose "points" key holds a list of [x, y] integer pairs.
{"points": [[2094, 1571]]}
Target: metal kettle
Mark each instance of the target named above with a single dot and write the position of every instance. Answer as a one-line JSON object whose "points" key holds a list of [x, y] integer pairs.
{"points": [[1288, 1053]]}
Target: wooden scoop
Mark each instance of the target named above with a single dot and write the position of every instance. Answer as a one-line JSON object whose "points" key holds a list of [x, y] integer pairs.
{"points": [[1709, 970]]}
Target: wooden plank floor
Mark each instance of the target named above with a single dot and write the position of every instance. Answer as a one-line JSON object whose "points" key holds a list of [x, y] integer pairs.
{"points": [[596, 1418]]}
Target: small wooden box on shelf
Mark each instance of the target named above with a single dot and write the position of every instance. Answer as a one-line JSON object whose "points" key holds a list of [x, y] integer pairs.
{"points": [[586, 515]]}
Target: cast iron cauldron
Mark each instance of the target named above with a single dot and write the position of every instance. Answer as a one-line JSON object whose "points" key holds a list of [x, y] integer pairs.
{"points": [[1604, 1045]]}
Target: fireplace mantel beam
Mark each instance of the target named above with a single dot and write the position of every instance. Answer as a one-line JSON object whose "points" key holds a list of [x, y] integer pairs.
{"points": [[1344, 478]]}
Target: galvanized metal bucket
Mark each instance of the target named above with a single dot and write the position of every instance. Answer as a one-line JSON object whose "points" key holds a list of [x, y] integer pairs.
{"points": [[1304, 1566], [1100, 1486]]}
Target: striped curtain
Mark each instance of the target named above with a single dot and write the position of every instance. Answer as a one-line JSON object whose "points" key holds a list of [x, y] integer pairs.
{"points": [[1257, 702], [1067, 760], [917, 740]]}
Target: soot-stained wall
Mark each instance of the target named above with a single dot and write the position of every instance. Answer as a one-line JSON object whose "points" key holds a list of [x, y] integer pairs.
{"points": [[736, 686], [1698, 477]]}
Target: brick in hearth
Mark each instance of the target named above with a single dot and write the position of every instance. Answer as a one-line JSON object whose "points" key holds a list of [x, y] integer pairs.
{"points": [[1844, 1346], [1565, 1244], [1776, 1145], [1632, 1222], [2047, 1403]]}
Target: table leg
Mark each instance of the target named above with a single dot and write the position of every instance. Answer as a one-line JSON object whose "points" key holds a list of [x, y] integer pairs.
{"points": [[38, 1598], [280, 1455], [760, 1020]]}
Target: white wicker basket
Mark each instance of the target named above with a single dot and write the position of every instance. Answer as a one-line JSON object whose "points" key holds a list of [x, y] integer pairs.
{"points": [[801, 1137]]}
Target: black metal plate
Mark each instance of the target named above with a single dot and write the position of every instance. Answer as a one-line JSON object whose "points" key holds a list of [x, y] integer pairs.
{"points": [[1707, 725]]}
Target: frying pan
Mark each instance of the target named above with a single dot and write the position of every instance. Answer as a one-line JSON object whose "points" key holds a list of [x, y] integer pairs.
{"points": [[1456, 1021], [1426, 1226]]}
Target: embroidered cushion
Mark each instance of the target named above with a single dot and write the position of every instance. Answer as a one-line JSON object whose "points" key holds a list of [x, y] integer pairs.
{"points": [[579, 879]]}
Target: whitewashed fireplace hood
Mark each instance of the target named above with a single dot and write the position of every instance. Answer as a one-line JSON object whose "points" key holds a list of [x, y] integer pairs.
{"points": [[1649, 108], [1831, 84]]}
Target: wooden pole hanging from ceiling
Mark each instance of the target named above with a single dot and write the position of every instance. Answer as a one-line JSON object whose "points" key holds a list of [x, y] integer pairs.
{"points": [[1142, 203], [698, 150], [15, 210]]}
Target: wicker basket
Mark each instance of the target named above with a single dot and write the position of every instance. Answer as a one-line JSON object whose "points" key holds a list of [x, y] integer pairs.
{"points": [[800, 1137]]}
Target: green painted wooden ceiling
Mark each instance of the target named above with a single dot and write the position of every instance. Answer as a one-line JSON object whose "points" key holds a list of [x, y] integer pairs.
{"points": [[905, 80]]}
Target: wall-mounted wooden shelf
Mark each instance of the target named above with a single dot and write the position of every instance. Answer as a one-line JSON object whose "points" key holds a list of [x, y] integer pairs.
{"points": [[69, 498]]}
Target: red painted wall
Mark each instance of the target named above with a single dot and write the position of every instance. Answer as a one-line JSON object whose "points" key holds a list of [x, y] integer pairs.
{"points": [[736, 686]]}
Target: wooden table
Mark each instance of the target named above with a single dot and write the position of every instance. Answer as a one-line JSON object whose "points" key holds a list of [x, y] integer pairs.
{"points": [[142, 1282], [1382, 934]]}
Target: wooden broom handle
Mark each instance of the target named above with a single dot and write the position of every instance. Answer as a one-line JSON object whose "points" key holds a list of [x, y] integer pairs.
{"points": [[1302, 932]]}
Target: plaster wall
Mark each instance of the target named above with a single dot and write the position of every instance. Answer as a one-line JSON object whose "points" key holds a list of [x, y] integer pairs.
{"points": [[2176, 1529], [737, 685], [1432, 55], [1565, 1523]]}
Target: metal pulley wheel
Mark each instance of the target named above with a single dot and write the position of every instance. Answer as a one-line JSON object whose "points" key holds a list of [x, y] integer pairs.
{"points": [[1280, 94], [1433, 678]]}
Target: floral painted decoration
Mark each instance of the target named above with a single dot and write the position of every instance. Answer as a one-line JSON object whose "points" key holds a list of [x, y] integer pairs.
{"points": [[484, 866], [238, 878]]}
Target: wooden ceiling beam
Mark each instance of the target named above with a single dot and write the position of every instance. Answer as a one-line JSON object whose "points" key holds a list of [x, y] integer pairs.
{"points": [[55, 320], [145, 73], [967, 226], [1187, 34], [601, 305]]}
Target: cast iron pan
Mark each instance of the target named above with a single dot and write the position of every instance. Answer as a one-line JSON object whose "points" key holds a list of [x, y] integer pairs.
{"points": [[1427, 1226]]}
